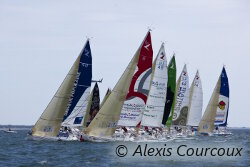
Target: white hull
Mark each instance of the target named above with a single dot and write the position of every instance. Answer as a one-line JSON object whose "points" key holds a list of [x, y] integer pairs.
{"points": [[85, 137], [10, 131]]}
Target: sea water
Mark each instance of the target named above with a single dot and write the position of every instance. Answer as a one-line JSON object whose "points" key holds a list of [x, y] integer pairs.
{"points": [[18, 150]]}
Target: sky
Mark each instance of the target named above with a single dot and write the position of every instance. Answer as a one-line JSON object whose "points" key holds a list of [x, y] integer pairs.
{"points": [[40, 40]]}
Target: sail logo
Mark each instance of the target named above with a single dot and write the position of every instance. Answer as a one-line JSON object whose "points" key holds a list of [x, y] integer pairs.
{"points": [[162, 56], [160, 65], [112, 125], [222, 105], [205, 126], [48, 129], [86, 52], [196, 83], [84, 64], [172, 66], [147, 45], [72, 94], [158, 84]]}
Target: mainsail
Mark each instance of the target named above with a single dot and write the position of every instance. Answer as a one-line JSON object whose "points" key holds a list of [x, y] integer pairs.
{"points": [[105, 122], [136, 98], [153, 113], [218, 105], [181, 99], [93, 106], [69, 97], [195, 101], [169, 104]]}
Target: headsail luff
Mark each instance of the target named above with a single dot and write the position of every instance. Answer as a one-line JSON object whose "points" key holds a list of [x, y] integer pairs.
{"points": [[170, 101], [223, 103], [93, 106], [206, 124], [153, 113], [195, 102], [50, 121], [105, 97], [181, 99], [105, 122], [136, 98]]}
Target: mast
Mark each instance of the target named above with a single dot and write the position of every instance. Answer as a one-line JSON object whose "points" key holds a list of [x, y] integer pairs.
{"points": [[50, 121], [105, 122], [153, 113]]}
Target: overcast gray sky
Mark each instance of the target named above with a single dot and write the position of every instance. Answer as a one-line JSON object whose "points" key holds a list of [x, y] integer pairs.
{"points": [[40, 40]]}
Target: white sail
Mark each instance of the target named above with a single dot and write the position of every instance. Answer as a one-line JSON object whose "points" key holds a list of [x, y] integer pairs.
{"points": [[79, 110], [181, 99], [105, 122], [195, 102], [132, 109], [153, 113]]}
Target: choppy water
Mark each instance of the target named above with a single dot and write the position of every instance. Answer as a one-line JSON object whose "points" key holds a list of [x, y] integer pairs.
{"points": [[17, 150]]}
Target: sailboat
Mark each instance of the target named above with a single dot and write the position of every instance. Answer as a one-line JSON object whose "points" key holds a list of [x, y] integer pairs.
{"points": [[70, 99], [170, 101], [9, 131], [127, 88], [216, 112], [153, 113], [181, 100], [93, 106], [195, 103]]}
